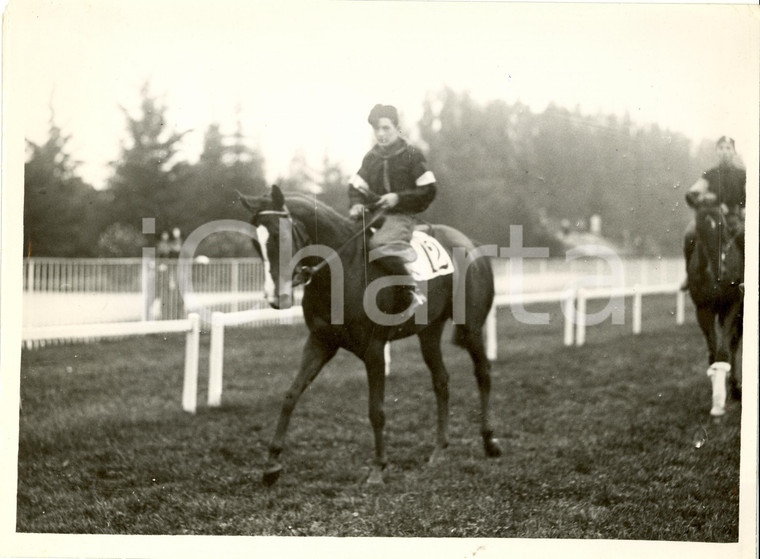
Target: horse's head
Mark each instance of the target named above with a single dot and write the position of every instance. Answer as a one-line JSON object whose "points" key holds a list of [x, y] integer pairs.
{"points": [[279, 236], [711, 223]]}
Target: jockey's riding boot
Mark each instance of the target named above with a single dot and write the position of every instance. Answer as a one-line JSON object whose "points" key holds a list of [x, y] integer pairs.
{"points": [[418, 298], [412, 297]]}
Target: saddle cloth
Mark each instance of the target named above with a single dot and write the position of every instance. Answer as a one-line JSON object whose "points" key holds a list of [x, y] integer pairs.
{"points": [[432, 259]]}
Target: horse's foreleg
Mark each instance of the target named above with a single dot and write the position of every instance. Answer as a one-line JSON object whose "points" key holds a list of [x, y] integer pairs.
{"points": [[374, 361], [732, 329], [736, 368], [430, 344], [473, 342], [717, 370], [725, 344], [706, 320], [315, 355]]}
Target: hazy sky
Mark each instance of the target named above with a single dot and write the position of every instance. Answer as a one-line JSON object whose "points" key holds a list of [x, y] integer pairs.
{"points": [[306, 75]]}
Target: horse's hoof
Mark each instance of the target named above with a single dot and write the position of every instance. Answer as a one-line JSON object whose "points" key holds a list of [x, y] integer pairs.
{"points": [[438, 456], [717, 419], [271, 475], [492, 448], [375, 477]]}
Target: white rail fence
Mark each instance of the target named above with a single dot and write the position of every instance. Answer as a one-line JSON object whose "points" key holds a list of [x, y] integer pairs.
{"points": [[573, 310], [112, 296], [62, 291], [190, 325]]}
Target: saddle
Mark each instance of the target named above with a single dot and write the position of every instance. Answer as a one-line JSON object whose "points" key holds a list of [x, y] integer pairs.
{"points": [[432, 259]]}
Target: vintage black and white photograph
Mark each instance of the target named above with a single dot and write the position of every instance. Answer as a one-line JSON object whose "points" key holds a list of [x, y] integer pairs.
{"points": [[379, 279]]}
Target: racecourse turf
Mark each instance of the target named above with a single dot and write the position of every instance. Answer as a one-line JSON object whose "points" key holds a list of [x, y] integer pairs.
{"points": [[599, 441]]}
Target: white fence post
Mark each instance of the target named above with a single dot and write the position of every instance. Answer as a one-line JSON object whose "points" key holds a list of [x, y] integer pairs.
{"points": [[190, 385], [216, 360], [234, 287], [30, 275], [492, 349], [680, 306], [568, 312], [148, 283], [580, 319], [637, 304]]}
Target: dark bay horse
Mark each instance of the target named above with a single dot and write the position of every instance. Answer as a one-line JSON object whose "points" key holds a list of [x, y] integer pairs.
{"points": [[338, 317], [716, 275]]}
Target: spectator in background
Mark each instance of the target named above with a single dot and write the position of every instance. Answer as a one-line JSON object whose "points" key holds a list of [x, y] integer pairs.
{"points": [[176, 243], [164, 246]]}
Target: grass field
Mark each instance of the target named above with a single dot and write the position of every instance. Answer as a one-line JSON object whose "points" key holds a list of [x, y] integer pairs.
{"points": [[598, 441]]}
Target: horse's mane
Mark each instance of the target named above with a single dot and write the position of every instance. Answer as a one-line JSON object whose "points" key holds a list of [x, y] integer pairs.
{"points": [[304, 207]]}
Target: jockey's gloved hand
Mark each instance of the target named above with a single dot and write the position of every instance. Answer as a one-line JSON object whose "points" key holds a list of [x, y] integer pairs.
{"points": [[387, 201], [696, 199], [708, 198], [692, 199], [356, 211]]}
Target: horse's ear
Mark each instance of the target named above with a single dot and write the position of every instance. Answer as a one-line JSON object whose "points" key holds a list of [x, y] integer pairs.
{"points": [[248, 201], [278, 199]]}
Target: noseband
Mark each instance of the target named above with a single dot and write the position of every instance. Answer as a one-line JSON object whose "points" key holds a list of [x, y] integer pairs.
{"points": [[304, 274], [297, 228]]}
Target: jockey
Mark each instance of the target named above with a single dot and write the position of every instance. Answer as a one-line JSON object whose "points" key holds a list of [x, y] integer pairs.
{"points": [[393, 177], [725, 184]]}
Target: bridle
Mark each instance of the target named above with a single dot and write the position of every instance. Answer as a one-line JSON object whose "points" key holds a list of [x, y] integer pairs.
{"points": [[296, 227], [304, 274]]}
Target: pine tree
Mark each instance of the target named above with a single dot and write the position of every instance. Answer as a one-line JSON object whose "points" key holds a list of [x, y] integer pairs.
{"points": [[60, 209], [147, 179], [226, 166]]}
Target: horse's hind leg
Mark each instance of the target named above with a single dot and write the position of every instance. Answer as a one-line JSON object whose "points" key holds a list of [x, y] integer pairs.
{"points": [[471, 338], [315, 355], [430, 344]]}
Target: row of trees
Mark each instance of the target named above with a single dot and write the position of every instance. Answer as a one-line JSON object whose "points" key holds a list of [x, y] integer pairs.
{"points": [[65, 217], [497, 164], [500, 164]]}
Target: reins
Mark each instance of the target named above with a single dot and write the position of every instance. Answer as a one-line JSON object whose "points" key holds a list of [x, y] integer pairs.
{"points": [[308, 272]]}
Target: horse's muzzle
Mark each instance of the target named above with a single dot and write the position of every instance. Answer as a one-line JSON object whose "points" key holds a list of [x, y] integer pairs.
{"points": [[302, 275]]}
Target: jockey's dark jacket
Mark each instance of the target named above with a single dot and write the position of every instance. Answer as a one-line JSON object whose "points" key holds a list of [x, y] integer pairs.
{"points": [[402, 169], [728, 183]]}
